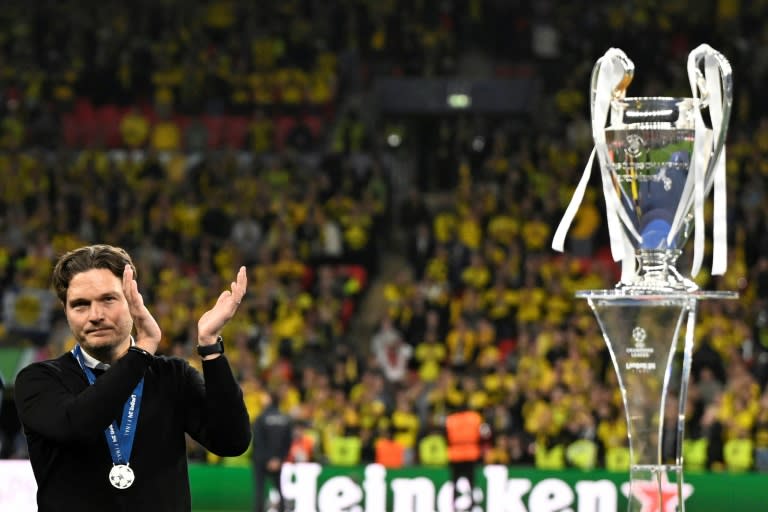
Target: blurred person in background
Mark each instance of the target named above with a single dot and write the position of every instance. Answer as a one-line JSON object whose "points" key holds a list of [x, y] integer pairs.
{"points": [[273, 433], [111, 385], [302, 444], [2, 388], [466, 432]]}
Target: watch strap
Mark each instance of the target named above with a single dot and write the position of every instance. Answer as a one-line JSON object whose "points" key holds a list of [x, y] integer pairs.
{"points": [[215, 348]]}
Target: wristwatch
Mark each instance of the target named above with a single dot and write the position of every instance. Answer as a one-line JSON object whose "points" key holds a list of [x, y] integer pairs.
{"points": [[207, 350]]}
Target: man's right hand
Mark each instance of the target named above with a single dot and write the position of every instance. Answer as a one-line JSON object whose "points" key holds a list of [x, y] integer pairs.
{"points": [[148, 332]]}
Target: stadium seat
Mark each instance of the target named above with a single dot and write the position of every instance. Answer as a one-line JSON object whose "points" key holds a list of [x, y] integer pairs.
{"points": [[235, 132], [316, 125], [283, 126], [71, 130], [506, 346], [109, 117], [347, 310], [356, 272], [84, 109], [308, 278], [215, 125]]}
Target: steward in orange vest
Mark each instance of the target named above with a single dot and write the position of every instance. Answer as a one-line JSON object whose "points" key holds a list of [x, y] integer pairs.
{"points": [[390, 453], [303, 445], [462, 430], [465, 431]]}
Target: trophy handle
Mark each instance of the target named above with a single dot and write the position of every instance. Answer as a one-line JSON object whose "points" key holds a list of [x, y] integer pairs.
{"points": [[715, 91], [711, 79], [611, 76]]}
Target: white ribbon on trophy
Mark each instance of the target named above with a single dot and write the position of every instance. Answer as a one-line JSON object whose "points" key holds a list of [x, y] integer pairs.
{"points": [[713, 89], [610, 76]]}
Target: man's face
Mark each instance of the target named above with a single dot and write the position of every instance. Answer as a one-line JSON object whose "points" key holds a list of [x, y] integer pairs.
{"points": [[97, 312]]}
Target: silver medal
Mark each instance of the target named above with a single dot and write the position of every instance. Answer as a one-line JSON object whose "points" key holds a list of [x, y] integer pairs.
{"points": [[121, 476]]}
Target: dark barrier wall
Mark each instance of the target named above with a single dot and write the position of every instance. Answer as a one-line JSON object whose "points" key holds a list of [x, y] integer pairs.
{"points": [[513, 96], [374, 489]]}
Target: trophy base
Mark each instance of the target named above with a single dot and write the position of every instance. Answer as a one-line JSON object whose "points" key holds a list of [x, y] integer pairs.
{"points": [[656, 286], [656, 272]]}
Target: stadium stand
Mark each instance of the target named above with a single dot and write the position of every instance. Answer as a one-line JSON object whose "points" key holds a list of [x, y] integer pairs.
{"points": [[230, 132]]}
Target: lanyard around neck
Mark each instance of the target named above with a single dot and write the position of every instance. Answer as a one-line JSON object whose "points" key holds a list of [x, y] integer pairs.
{"points": [[119, 437]]}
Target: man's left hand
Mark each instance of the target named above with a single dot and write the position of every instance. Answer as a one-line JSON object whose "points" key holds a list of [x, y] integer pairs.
{"points": [[212, 322]]}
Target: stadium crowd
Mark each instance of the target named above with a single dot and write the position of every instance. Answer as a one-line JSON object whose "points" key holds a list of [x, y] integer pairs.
{"points": [[217, 134]]}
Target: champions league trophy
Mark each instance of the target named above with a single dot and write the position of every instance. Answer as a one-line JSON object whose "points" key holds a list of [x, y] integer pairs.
{"points": [[659, 159]]}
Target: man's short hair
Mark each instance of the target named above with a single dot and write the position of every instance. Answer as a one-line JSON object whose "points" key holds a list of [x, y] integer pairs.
{"points": [[87, 258]]}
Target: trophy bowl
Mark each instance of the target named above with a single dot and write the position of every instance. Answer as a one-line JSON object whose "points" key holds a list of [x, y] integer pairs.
{"points": [[650, 145]]}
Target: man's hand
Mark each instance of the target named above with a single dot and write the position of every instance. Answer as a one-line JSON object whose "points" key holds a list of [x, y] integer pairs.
{"points": [[148, 333], [210, 324]]}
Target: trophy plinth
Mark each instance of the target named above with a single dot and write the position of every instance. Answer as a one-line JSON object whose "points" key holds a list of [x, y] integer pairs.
{"points": [[650, 338]]}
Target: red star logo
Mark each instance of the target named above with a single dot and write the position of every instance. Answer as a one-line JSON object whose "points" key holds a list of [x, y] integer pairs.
{"points": [[657, 496]]}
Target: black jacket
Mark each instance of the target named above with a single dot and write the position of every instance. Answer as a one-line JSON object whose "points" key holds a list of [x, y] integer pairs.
{"points": [[64, 421]]}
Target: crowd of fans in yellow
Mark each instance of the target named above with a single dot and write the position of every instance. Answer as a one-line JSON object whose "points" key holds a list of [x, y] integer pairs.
{"points": [[483, 316]]}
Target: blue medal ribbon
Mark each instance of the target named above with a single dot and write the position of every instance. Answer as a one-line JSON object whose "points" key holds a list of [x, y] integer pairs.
{"points": [[119, 437]]}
